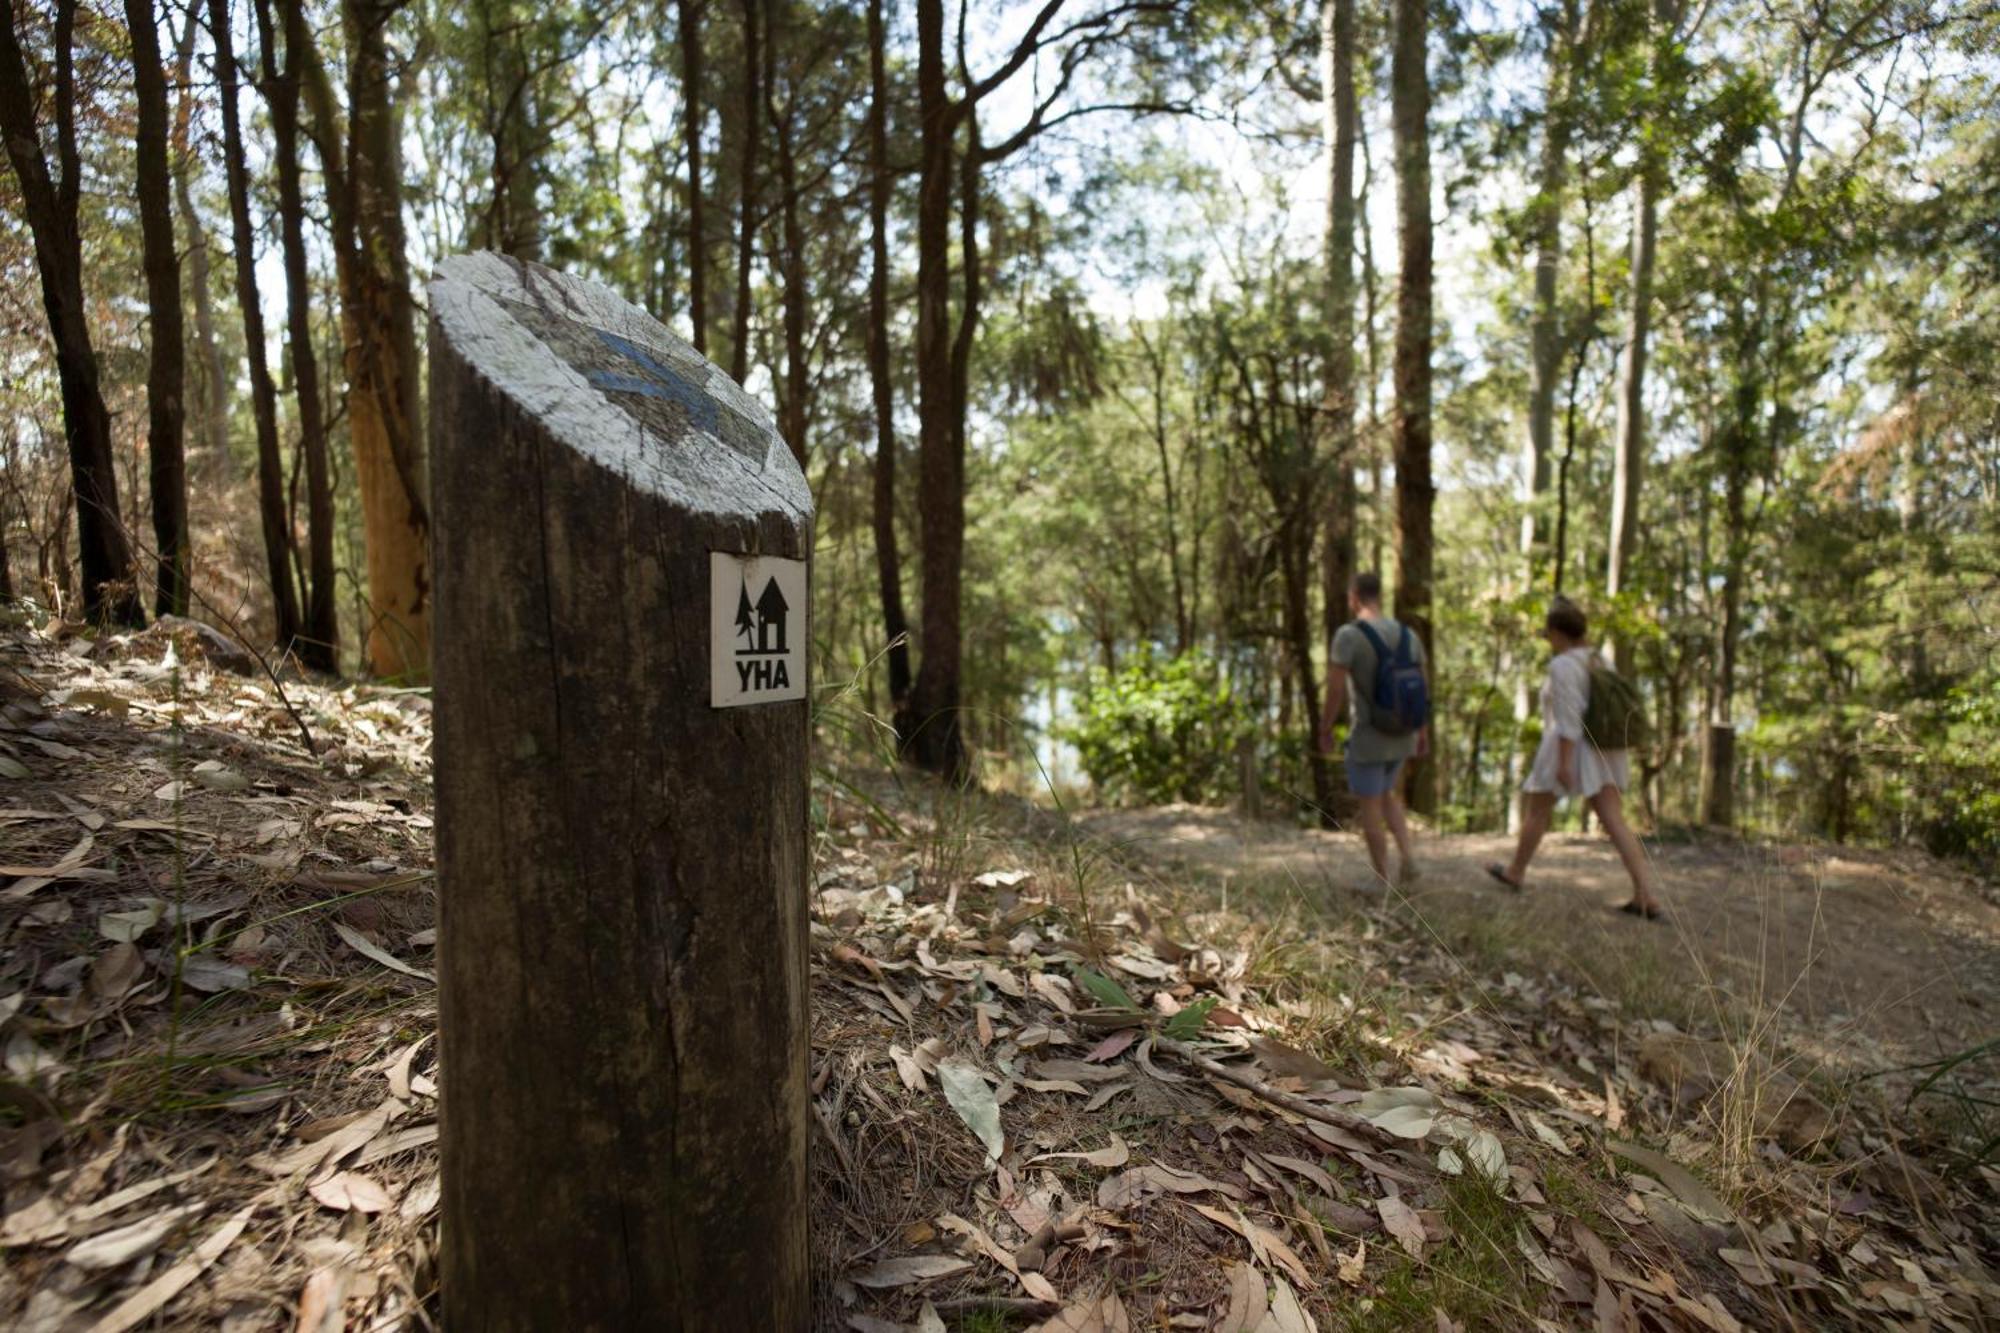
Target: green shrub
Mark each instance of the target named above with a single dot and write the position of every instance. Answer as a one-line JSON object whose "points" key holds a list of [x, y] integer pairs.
{"points": [[1161, 729]]}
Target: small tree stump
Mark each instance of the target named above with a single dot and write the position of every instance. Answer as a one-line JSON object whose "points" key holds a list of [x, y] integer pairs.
{"points": [[621, 819]]}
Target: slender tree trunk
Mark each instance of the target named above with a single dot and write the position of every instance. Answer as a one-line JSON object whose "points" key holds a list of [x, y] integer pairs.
{"points": [[1371, 335], [1410, 102], [1156, 368], [888, 560], [1629, 467], [931, 729], [318, 644], [110, 592], [212, 462], [1545, 333], [794, 415], [753, 118], [1339, 117], [693, 114], [165, 406], [286, 622], [378, 315]]}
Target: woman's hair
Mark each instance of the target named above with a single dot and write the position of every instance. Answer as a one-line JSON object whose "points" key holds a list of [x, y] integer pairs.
{"points": [[1566, 618]]}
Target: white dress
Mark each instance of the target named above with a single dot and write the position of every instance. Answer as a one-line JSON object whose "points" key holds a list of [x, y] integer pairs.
{"points": [[1564, 695]]}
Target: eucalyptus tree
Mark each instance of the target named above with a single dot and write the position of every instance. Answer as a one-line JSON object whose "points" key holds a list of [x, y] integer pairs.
{"points": [[49, 201]]}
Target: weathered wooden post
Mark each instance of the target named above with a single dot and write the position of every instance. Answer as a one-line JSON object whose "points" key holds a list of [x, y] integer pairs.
{"points": [[620, 666]]}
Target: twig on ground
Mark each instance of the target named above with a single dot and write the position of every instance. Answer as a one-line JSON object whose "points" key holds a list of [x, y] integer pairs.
{"points": [[1326, 1115]]}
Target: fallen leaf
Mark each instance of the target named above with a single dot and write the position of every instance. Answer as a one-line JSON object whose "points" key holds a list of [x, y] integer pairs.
{"points": [[965, 1089], [1291, 1062], [421, 1198], [116, 971], [1105, 1314], [360, 944], [911, 1269], [13, 768], [1247, 1300], [1075, 1071], [137, 1308], [1288, 1313], [120, 1246], [1144, 1056], [1104, 1094], [1404, 1224], [350, 1190], [1353, 1265], [1115, 1155], [1265, 1245], [1112, 1046], [1697, 1196]]}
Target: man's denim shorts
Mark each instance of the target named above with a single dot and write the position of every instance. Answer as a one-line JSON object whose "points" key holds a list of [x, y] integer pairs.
{"points": [[1372, 779]]}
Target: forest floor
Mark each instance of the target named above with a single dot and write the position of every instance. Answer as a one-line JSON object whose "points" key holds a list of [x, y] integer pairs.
{"points": [[1135, 1070]]}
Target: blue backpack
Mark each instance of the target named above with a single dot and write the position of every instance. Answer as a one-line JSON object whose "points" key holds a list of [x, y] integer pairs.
{"points": [[1401, 701]]}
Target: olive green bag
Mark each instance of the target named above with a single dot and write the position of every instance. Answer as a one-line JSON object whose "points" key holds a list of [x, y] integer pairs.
{"points": [[1615, 716]]}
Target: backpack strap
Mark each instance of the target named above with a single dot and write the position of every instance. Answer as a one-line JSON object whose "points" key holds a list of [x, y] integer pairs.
{"points": [[1382, 657], [1403, 646]]}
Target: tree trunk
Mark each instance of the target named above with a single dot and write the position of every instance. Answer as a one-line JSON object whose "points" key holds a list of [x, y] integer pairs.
{"points": [[888, 560], [212, 463], [1410, 112], [1545, 333], [1629, 467], [110, 592], [286, 624], [165, 407], [378, 314], [753, 118], [930, 731], [1339, 117], [793, 415], [318, 645], [692, 117]]}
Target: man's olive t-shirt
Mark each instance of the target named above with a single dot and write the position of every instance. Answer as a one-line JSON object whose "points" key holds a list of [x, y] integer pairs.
{"points": [[1351, 649]]}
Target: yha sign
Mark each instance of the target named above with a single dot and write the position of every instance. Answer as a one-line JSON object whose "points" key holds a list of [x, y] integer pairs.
{"points": [[757, 629]]}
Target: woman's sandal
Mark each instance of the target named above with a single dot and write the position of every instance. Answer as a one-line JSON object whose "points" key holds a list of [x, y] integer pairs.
{"points": [[1499, 872], [1650, 913]]}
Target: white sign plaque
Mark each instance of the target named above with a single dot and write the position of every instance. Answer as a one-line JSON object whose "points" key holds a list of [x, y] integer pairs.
{"points": [[756, 629]]}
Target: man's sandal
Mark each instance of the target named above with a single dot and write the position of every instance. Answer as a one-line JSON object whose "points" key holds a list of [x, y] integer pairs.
{"points": [[1649, 912], [1499, 872]]}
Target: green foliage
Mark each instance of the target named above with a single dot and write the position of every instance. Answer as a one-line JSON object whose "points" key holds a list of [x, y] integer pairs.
{"points": [[1188, 1023], [1161, 729], [1104, 990]]}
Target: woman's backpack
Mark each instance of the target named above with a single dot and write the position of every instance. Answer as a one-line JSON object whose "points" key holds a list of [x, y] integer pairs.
{"points": [[1614, 717], [1401, 700]]}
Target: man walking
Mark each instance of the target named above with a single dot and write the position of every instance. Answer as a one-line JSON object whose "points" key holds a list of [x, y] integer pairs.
{"points": [[1385, 662]]}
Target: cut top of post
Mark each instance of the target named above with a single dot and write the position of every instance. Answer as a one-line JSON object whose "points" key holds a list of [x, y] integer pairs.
{"points": [[616, 385]]}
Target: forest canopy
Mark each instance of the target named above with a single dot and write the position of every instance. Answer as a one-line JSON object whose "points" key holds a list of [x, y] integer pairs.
{"points": [[1114, 336]]}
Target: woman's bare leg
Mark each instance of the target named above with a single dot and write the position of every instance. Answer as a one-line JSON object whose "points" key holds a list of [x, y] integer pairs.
{"points": [[1610, 808], [1536, 809]]}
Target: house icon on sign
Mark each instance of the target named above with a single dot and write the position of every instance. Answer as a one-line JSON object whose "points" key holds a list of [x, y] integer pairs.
{"points": [[761, 628]]}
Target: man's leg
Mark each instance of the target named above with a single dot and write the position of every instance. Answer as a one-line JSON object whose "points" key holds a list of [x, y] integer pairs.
{"points": [[1536, 809], [1610, 807], [1372, 833], [1399, 825]]}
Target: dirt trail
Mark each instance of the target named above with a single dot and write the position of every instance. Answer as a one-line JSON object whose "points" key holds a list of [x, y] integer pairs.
{"points": [[1867, 959]]}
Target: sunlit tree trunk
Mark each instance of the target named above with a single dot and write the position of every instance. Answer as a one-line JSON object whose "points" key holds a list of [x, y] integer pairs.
{"points": [[378, 318], [110, 593], [888, 560], [212, 460], [286, 622], [1339, 115], [1415, 493]]}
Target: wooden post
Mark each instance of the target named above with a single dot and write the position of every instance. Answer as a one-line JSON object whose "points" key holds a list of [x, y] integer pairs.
{"points": [[621, 634]]}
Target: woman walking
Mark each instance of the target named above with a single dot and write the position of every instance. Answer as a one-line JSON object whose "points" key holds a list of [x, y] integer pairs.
{"points": [[1568, 763]]}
